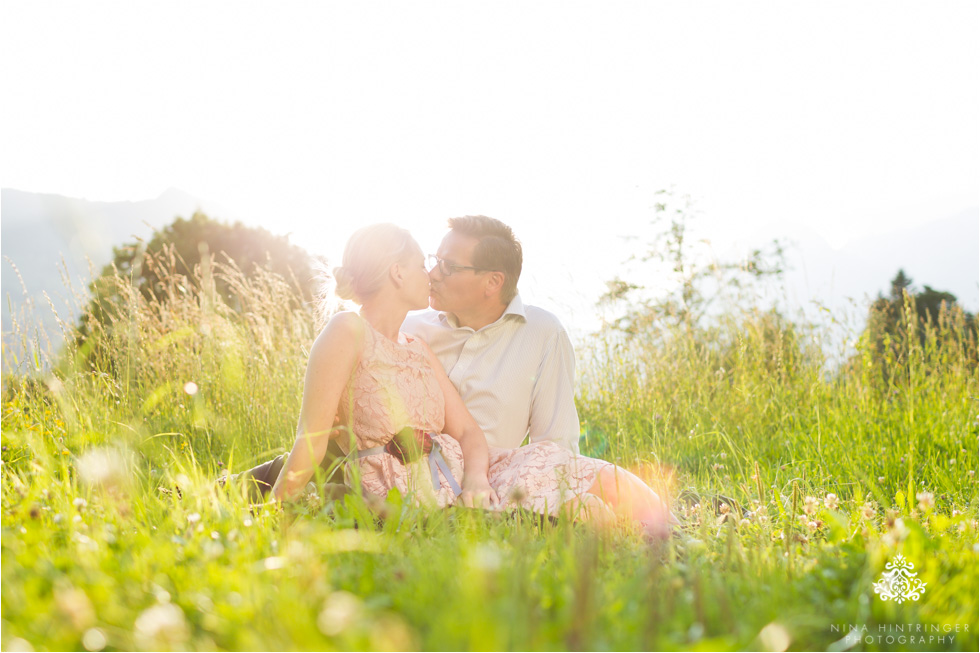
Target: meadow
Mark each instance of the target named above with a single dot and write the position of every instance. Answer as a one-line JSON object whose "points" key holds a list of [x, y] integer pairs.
{"points": [[797, 480]]}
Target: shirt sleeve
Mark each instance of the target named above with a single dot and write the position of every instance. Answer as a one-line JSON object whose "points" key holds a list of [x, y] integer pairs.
{"points": [[553, 415]]}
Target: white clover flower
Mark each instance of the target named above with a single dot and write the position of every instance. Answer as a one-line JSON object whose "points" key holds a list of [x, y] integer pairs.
{"points": [[340, 611], [190, 388], [94, 640], [163, 627], [486, 557], [868, 510], [810, 505], [106, 468], [79, 503], [194, 517], [831, 501], [926, 501]]}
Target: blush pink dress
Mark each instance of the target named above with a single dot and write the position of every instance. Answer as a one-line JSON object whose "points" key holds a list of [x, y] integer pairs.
{"points": [[394, 387]]}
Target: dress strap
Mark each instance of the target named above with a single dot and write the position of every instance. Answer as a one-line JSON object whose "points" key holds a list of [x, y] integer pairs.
{"points": [[373, 451], [436, 464]]}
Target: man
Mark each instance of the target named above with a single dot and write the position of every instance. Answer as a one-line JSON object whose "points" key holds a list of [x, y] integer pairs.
{"points": [[513, 364]]}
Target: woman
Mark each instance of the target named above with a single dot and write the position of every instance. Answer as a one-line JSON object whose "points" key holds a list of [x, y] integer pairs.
{"points": [[386, 396]]}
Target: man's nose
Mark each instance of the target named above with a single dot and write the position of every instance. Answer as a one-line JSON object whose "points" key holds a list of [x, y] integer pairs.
{"points": [[434, 274]]}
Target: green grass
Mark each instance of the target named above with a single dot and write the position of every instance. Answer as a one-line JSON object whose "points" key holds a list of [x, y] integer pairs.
{"points": [[115, 535]]}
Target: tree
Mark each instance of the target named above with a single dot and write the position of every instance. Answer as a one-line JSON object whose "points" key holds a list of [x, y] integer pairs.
{"points": [[909, 318], [186, 241], [181, 254], [681, 283]]}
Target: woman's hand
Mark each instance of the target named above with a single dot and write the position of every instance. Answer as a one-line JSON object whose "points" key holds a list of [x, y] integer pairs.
{"points": [[477, 492]]}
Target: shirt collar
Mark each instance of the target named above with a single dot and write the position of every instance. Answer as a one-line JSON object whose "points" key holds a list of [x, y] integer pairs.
{"points": [[515, 308]]}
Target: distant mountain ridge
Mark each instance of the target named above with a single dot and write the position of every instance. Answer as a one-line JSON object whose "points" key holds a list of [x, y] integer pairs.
{"points": [[944, 254], [46, 236]]}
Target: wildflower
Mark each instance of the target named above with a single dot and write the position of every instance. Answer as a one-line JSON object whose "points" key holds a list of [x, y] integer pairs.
{"points": [[970, 472], [161, 627], [104, 468], [717, 466], [897, 532], [831, 501], [810, 505], [952, 461], [926, 501], [812, 525], [956, 513], [723, 455], [486, 557], [775, 637], [79, 503], [94, 640], [190, 388], [724, 508], [194, 517], [340, 611], [868, 510], [75, 605], [881, 479]]}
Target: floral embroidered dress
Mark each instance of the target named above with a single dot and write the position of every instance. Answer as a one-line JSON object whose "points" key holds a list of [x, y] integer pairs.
{"points": [[393, 387]]}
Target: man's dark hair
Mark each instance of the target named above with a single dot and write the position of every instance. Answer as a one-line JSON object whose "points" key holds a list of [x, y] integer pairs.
{"points": [[498, 249]]}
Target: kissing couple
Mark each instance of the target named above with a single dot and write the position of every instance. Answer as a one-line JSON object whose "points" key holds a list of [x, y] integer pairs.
{"points": [[439, 403]]}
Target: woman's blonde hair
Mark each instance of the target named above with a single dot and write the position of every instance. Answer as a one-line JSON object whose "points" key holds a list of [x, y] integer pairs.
{"points": [[370, 253]]}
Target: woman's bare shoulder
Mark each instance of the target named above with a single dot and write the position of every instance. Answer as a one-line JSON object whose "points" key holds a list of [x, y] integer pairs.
{"points": [[344, 329]]}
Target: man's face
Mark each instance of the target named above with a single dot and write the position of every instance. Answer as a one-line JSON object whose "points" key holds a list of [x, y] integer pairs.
{"points": [[463, 290]]}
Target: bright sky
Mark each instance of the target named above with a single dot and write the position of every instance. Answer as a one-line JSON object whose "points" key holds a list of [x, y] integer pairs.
{"points": [[562, 119]]}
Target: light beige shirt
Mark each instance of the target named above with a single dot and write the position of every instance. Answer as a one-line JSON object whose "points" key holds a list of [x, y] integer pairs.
{"points": [[516, 375]]}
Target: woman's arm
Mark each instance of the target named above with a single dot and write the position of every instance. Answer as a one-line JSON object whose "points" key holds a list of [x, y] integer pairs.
{"points": [[461, 426], [332, 360]]}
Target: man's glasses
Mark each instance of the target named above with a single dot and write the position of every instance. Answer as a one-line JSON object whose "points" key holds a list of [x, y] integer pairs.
{"points": [[446, 268]]}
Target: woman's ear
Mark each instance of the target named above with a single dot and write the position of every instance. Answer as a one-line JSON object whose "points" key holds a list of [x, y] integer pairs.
{"points": [[396, 274]]}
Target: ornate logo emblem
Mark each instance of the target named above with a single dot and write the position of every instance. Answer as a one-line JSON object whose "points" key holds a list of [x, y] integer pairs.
{"points": [[898, 582]]}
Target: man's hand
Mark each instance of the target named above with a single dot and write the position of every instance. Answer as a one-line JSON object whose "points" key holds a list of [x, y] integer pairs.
{"points": [[477, 493]]}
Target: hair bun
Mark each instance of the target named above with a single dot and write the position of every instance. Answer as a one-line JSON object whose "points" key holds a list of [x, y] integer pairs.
{"points": [[345, 283]]}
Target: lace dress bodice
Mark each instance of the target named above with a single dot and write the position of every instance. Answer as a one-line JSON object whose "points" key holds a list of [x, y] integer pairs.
{"points": [[393, 387]]}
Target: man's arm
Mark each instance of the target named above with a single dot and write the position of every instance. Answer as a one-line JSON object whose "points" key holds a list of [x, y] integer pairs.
{"points": [[553, 415]]}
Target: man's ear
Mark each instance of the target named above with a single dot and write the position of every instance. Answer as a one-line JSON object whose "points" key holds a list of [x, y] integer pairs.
{"points": [[495, 283]]}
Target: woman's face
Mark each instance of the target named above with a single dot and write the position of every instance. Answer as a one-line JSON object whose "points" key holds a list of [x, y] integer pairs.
{"points": [[416, 281]]}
